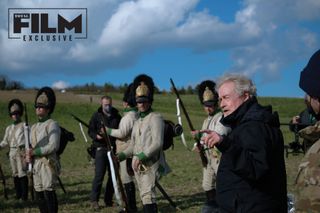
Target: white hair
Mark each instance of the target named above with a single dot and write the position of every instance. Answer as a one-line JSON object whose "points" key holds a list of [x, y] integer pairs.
{"points": [[242, 84]]}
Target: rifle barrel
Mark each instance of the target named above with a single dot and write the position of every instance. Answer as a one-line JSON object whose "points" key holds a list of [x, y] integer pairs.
{"points": [[204, 159], [79, 120], [166, 196], [27, 147], [182, 105], [115, 164]]}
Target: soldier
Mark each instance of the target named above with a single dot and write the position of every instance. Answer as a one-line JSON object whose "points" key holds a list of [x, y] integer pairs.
{"points": [[111, 118], [45, 140], [209, 99], [146, 144], [308, 179], [14, 138], [123, 133]]}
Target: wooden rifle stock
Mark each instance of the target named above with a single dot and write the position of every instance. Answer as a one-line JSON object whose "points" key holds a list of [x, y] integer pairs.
{"points": [[204, 159]]}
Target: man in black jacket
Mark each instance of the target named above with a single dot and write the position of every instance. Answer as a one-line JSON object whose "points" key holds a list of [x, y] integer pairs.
{"points": [[112, 119], [251, 175]]}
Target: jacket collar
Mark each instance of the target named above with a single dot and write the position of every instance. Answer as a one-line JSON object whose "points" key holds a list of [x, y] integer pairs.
{"points": [[144, 114], [236, 117], [44, 119]]}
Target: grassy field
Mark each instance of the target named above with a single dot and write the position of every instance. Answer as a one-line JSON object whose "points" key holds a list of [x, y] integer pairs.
{"points": [[183, 184]]}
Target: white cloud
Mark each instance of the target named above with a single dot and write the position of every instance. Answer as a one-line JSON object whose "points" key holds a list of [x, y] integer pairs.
{"points": [[264, 37], [284, 38], [60, 85]]}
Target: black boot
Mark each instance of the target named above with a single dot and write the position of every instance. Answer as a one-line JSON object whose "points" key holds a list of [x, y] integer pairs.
{"points": [[211, 205], [17, 186], [131, 196], [52, 202], [24, 188], [150, 208], [41, 202]]}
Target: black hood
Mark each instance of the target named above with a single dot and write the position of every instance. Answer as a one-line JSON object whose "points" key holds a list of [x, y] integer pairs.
{"points": [[251, 110]]}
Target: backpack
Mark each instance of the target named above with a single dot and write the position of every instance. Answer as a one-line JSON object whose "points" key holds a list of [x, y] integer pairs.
{"points": [[171, 130], [65, 137]]}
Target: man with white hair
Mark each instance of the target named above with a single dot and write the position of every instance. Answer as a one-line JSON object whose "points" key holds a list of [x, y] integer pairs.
{"points": [[251, 175]]}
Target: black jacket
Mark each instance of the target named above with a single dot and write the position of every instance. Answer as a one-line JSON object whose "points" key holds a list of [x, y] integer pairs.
{"points": [[251, 175], [95, 125]]}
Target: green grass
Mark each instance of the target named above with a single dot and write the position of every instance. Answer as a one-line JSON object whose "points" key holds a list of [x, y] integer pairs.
{"points": [[183, 184]]}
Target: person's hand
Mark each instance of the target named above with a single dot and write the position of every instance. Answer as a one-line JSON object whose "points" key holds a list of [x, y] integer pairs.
{"points": [[195, 148], [102, 131], [29, 154], [211, 139], [99, 137], [296, 119], [194, 133], [135, 164], [115, 158]]}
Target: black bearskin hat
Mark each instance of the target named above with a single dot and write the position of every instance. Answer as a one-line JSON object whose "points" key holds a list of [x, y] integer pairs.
{"points": [[310, 76], [144, 88], [46, 98], [207, 93], [129, 96], [15, 106]]}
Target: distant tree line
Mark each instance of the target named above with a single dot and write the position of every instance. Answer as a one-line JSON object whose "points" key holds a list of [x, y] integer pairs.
{"points": [[7, 84], [108, 87]]}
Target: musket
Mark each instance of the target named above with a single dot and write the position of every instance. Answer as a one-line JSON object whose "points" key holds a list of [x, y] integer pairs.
{"points": [[109, 149], [5, 190], [203, 157], [27, 147], [166, 196], [115, 163], [61, 184], [79, 120]]}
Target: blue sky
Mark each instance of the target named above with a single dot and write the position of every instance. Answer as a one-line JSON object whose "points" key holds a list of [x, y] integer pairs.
{"points": [[187, 40]]}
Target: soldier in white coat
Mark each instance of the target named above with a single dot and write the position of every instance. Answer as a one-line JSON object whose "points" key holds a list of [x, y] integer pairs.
{"points": [[15, 140], [146, 144], [209, 100], [45, 140], [123, 135]]}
